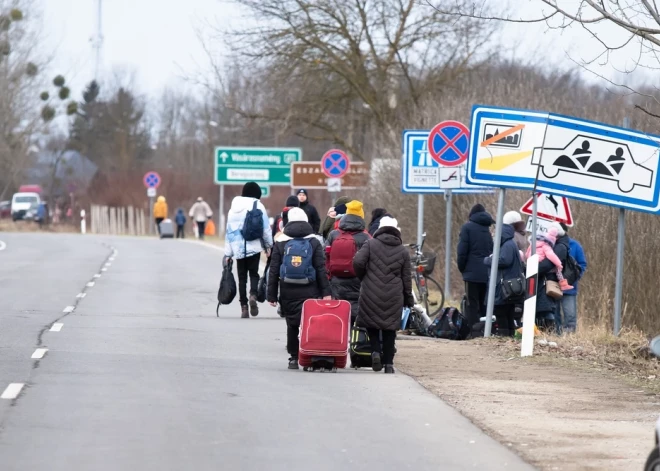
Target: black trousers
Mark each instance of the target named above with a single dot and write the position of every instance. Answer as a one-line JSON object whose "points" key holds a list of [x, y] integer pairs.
{"points": [[158, 221], [292, 330], [180, 232], [247, 266], [201, 226], [504, 315], [476, 296], [389, 336]]}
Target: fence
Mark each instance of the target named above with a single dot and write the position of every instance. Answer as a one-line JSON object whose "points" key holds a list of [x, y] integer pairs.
{"points": [[118, 221]]}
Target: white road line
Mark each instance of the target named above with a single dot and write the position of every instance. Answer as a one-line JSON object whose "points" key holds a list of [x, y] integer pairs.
{"points": [[104, 269], [57, 326], [81, 295], [3, 246], [90, 284], [98, 275], [12, 391], [68, 309], [107, 265], [39, 353]]}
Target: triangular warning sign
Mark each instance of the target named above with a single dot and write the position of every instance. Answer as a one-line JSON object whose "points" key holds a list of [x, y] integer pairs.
{"points": [[550, 208]]}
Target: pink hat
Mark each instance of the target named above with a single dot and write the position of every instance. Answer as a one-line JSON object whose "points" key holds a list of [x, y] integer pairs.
{"points": [[551, 235]]}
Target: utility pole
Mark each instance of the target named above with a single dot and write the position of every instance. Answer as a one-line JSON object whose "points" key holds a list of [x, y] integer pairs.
{"points": [[98, 40]]}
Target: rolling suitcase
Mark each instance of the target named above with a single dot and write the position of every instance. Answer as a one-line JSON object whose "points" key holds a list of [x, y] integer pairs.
{"points": [[166, 229], [324, 334], [360, 352]]}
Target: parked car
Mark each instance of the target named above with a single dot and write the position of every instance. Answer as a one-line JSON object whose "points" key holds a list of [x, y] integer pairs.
{"points": [[21, 203], [5, 209]]}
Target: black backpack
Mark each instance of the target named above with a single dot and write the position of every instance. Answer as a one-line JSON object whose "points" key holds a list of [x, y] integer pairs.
{"points": [[227, 289], [449, 324], [253, 226], [572, 270]]}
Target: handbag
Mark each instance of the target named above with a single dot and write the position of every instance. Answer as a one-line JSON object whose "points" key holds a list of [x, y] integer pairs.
{"points": [[553, 290], [513, 289], [227, 289], [262, 287]]}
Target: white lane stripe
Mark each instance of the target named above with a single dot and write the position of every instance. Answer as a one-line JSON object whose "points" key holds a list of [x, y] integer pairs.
{"points": [[90, 284], [68, 309], [98, 275], [39, 353], [104, 269], [12, 391], [3, 246], [57, 326], [81, 295]]}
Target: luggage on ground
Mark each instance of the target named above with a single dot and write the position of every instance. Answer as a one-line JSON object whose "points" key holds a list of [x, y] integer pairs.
{"points": [[478, 330], [360, 352], [227, 290], [450, 324], [209, 229], [324, 329], [166, 229]]}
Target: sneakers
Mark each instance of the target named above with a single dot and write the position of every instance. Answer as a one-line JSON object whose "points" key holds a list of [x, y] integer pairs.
{"points": [[389, 369], [564, 286], [254, 308], [293, 363], [376, 364], [244, 312]]}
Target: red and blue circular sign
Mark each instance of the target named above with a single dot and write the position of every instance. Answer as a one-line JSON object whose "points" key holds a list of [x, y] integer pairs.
{"points": [[449, 142], [335, 163], [151, 180]]}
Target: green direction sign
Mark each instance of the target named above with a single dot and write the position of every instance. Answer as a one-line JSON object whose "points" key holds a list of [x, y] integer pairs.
{"points": [[238, 165], [265, 191]]}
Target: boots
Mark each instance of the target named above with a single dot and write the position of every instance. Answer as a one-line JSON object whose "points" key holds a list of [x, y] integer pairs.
{"points": [[564, 286], [244, 312], [376, 364], [389, 369], [293, 363], [254, 308]]}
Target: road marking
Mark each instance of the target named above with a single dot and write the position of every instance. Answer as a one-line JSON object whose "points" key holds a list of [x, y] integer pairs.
{"points": [[12, 391], [57, 326], [90, 284], [39, 353], [108, 265], [81, 295], [104, 269], [68, 309], [98, 275], [3, 246]]}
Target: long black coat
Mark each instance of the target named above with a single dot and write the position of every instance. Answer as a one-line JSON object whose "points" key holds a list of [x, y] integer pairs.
{"points": [[292, 296], [509, 265], [383, 265], [348, 289], [544, 303], [475, 243], [312, 216]]}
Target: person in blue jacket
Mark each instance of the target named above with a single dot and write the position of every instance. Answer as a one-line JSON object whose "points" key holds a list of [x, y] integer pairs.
{"points": [[568, 302], [180, 220]]}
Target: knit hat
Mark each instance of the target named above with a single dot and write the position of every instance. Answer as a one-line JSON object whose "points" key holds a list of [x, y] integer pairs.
{"points": [[355, 208], [511, 218], [387, 221], [302, 190], [292, 202], [251, 190], [341, 209], [477, 208], [560, 230], [550, 236], [297, 215]]}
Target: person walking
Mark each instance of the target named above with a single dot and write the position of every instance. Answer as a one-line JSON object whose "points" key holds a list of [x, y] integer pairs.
{"points": [[474, 244], [568, 302], [509, 267], [546, 306], [297, 237], [200, 213], [383, 266], [310, 210], [180, 220], [328, 223], [160, 211], [248, 234], [342, 245], [278, 223], [376, 215]]}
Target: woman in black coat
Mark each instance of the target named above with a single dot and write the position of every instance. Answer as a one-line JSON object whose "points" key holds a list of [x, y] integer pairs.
{"points": [[293, 295], [546, 307], [383, 265], [376, 215]]}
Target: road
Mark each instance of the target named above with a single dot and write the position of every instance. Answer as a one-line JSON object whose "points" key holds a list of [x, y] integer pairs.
{"points": [[143, 376]]}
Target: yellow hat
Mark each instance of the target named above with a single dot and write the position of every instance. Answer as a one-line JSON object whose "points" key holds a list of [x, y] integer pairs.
{"points": [[355, 208]]}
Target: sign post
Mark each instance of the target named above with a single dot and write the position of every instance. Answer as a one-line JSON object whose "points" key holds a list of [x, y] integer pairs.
{"points": [[151, 181], [335, 164], [620, 247], [492, 281]]}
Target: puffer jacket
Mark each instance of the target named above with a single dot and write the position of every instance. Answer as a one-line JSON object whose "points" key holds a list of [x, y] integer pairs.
{"points": [[509, 265], [292, 296], [348, 289], [200, 211], [235, 246], [544, 303], [475, 243], [160, 208], [383, 266]]}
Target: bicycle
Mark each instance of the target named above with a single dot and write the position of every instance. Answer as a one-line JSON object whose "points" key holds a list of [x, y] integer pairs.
{"points": [[427, 287]]}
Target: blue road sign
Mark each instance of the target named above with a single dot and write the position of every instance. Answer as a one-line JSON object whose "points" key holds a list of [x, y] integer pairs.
{"points": [[422, 174], [449, 142], [568, 156], [335, 163], [151, 180]]}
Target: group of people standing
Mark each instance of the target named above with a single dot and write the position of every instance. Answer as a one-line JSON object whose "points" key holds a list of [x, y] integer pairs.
{"points": [[554, 246], [339, 258]]}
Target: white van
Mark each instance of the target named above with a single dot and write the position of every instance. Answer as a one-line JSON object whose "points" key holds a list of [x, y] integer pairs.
{"points": [[22, 202]]}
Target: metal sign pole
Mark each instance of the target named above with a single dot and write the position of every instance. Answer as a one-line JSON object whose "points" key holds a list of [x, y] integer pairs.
{"points": [[620, 246], [420, 218], [151, 215], [221, 212], [492, 282], [448, 196], [535, 210]]}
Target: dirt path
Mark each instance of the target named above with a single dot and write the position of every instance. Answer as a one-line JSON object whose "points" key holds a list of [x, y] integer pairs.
{"points": [[562, 417]]}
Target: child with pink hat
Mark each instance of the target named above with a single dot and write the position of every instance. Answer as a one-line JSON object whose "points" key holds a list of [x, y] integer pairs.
{"points": [[544, 245]]}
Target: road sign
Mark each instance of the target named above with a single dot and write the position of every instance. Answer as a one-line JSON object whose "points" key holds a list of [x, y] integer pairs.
{"points": [[450, 177], [265, 191], [151, 180], [448, 143], [334, 185], [151, 192], [309, 175], [335, 163], [573, 158], [541, 225], [421, 174], [239, 165], [550, 208]]}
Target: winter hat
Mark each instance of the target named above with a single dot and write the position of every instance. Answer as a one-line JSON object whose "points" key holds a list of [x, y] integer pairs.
{"points": [[512, 217], [292, 202], [560, 230], [387, 221], [199, 199], [302, 190], [477, 208], [297, 215], [550, 236], [251, 190], [341, 209], [355, 208]]}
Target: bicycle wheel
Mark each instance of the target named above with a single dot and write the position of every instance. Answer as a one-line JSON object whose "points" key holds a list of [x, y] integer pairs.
{"points": [[434, 294], [421, 293]]}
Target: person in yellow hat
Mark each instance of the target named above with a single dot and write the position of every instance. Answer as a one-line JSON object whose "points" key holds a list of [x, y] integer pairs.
{"points": [[160, 211]]}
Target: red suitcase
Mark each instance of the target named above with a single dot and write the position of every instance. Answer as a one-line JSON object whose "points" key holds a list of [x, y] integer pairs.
{"points": [[324, 334]]}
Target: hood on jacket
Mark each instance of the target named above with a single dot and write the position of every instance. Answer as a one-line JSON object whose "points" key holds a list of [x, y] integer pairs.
{"points": [[298, 229], [179, 211], [242, 203], [477, 208], [482, 218], [351, 223], [377, 214], [161, 199], [389, 235], [507, 233]]}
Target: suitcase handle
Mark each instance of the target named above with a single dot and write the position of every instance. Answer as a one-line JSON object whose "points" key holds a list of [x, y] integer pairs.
{"points": [[332, 304]]}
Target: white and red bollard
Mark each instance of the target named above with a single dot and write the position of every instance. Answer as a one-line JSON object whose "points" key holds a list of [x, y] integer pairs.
{"points": [[529, 310]]}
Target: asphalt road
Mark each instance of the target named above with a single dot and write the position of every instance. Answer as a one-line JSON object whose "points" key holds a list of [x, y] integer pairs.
{"points": [[143, 376]]}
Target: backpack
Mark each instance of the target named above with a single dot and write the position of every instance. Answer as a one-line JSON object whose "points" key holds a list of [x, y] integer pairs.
{"points": [[227, 289], [297, 267], [572, 270], [253, 225], [342, 251], [450, 324]]}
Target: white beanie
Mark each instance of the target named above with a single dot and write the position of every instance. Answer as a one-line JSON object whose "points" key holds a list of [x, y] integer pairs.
{"points": [[511, 217], [560, 230], [297, 215], [387, 221]]}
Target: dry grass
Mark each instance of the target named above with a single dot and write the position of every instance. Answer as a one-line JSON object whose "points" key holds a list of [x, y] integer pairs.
{"points": [[29, 226]]}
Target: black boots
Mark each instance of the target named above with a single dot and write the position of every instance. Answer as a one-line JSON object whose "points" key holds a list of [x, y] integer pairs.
{"points": [[376, 362], [244, 312], [293, 363], [254, 308], [389, 369]]}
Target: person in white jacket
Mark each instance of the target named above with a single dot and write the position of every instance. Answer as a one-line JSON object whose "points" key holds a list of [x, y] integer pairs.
{"points": [[200, 213], [247, 253]]}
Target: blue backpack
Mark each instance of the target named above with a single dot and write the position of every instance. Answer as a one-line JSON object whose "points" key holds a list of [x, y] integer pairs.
{"points": [[297, 267], [253, 225]]}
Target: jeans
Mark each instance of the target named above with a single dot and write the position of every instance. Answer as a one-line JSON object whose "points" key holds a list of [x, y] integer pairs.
{"points": [[389, 336], [201, 226], [180, 232], [568, 304], [292, 330], [245, 266], [475, 306]]}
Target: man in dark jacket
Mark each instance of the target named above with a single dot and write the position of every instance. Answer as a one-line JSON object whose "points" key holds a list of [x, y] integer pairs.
{"points": [[312, 213], [546, 307], [293, 295], [509, 266], [351, 225], [383, 265], [475, 243]]}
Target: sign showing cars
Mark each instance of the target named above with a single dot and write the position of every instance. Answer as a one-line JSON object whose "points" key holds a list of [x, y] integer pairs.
{"points": [[564, 156]]}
